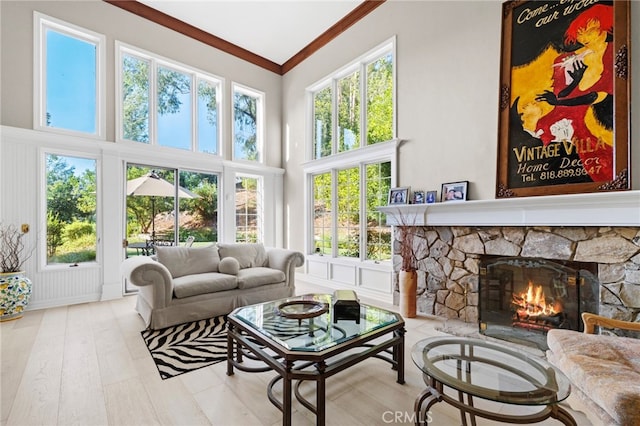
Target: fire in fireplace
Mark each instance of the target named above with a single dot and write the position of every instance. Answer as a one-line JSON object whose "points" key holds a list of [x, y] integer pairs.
{"points": [[521, 299], [535, 310]]}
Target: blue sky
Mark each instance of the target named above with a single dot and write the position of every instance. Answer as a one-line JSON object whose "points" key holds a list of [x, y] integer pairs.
{"points": [[71, 87]]}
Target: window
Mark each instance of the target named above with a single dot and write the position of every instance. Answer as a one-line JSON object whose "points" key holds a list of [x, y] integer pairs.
{"points": [[69, 82], [185, 103], [353, 114], [348, 223], [322, 214], [248, 209], [349, 112], [173, 108], [378, 183], [71, 209], [247, 122], [322, 122], [135, 98], [371, 108]]}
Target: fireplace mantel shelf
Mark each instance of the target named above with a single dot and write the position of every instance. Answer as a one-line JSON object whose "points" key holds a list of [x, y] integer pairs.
{"points": [[594, 209]]}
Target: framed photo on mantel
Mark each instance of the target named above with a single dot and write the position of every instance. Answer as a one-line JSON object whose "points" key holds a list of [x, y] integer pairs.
{"points": [[564, 98]]}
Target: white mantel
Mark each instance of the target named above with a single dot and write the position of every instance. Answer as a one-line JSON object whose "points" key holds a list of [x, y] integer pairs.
{"points": [[621, 208]]}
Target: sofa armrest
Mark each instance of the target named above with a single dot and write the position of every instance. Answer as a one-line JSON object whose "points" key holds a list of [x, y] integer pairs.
{"points": [[153, 278], [592, 320], [286, 261]]}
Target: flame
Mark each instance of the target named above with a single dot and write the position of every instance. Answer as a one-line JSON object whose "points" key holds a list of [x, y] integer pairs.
{"points": [[533, 302]]}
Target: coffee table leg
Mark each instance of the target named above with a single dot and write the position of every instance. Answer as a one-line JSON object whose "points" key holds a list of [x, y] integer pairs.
{"points": [[398, 355], [230, 343], [286, 393], [320, 394]]}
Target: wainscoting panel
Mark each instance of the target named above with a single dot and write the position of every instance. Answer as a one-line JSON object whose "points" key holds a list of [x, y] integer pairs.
{"points": [[317, 268], [376, 280], [345, 274]]}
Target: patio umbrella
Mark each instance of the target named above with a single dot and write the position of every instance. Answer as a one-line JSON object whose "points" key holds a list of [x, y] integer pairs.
{"points": [[152, 185]]}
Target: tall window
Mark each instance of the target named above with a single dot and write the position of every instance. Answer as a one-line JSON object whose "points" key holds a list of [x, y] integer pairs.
{"points": [[185, 103], [248, 209], [322, 122], [174, 108], [349, 112], [353, 114], [378, 184], [135, 98], [322, 214], [247, 122], [348, 223], [362, 117], [71, 209], [68, 78]]}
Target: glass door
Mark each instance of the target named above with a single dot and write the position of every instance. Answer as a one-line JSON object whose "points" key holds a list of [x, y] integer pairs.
{"points": [[154, 218]]}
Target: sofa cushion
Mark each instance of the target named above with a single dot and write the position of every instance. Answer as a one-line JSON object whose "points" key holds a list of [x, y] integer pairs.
{"points": [[607, 368], [195, 284], [248, 255], [181, 261], [229, 265], [255, 277]]}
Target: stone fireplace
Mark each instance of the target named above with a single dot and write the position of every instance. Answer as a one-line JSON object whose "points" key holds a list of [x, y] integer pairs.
{"points": [[450, 239]]}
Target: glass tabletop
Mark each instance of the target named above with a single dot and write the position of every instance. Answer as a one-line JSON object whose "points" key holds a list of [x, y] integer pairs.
{"points": [[313, 334], [490, 371]]}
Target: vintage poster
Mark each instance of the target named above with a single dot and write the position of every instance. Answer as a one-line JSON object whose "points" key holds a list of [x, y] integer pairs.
{"points": [[564, 105]]}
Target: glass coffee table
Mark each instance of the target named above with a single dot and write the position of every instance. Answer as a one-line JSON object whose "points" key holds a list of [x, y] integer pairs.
{"points": [[479, 369], [299, 339]]}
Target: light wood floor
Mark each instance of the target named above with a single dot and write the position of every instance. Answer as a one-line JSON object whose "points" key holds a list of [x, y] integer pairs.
{"points": [[87, 365]]}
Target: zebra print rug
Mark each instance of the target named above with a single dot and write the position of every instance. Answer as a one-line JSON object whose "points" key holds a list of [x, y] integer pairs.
{"points": [[186, 347]]}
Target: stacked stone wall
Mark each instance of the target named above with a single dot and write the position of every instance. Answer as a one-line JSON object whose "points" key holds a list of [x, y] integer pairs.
{"points": [[448, 263]]}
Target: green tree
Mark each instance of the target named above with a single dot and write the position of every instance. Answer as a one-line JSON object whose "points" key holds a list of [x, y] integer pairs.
{"points": [[245, 126], [63, 189], [380, 100]]}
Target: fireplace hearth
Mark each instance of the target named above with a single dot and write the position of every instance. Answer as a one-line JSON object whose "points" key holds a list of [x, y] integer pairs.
{"points": [[521, 299]]}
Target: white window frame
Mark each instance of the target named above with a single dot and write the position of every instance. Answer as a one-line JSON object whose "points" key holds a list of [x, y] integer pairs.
{"points": [[376, 153], [260, 106], [259, 203], [332, 80], [196, 76], [357, 157], [41, 23], [42, 248]]}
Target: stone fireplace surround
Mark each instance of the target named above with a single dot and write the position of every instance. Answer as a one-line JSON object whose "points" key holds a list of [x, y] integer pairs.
{"points": [[449, 239]]}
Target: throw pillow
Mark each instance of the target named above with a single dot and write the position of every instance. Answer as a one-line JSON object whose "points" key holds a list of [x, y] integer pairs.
{"points": [[182, 261], [248, 255], [229, 265]]}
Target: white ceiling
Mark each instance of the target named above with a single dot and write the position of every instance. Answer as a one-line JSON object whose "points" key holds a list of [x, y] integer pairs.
{"points": [[275, 30]]}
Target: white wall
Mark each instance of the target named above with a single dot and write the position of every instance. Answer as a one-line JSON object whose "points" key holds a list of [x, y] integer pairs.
{"points": [[448, 60], [21, 149]]}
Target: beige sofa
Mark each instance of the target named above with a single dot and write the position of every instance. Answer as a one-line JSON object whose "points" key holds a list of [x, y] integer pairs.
{"points": [[182, 284], [604, 370]]}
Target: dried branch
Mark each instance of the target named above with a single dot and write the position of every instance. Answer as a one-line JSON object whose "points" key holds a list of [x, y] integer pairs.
{"points": [[405, 239], [12, 249]]}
